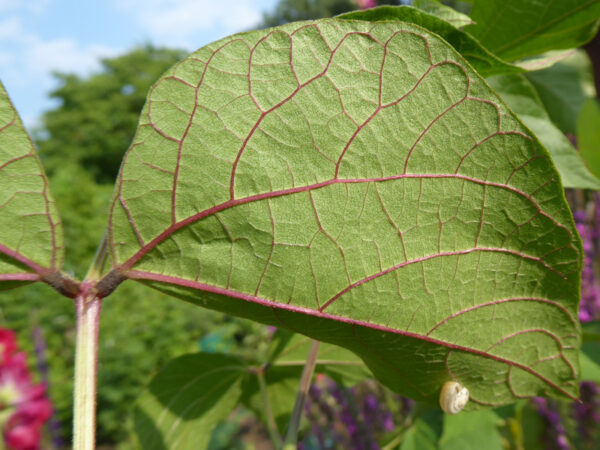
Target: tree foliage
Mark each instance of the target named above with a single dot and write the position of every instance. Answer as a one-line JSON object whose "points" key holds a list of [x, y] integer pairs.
{"points": [[97, 115]]}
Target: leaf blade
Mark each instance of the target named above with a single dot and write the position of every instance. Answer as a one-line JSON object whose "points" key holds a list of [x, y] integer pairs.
{"points": [[30, 230], [298, 223], [521, 96], [517, 30], [437, 21], [186, 399]]}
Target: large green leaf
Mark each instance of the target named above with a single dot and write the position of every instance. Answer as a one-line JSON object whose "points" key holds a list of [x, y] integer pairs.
{"points": [[564, 88], [450, 15], [187, 399], [521, 96], [480, 58], [588, 134], [515, 29], [363, 187], [31, 240]]}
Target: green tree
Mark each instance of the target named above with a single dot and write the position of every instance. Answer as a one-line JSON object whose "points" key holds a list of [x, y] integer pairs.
{"points": [[97, 115]]}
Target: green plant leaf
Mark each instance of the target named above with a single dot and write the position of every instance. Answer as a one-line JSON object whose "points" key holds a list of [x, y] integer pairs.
{"points": [[336, 362], [588, 134], [545, 60], [187, 399], [444, 12], [590, 331], [514, 30], [590, 361], [564, 88], [474, 430], [520, 95], [480, 58], [425, 431], [363, 187], [287, 357], [31, 239]]}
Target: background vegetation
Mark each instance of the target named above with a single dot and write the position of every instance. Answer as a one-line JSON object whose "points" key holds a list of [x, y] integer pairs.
{"points": [[81, 143]]}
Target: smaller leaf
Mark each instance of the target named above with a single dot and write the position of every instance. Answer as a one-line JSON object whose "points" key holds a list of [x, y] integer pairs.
{"points": [[282, 386], [591, 331], [425, 432], [589, 359], [588, 135], [564, 88], [31, 240], [476, 430], [187, 399], [480, 58], [287, 356], [520, 95], [340, 364], [545, 60], [513, 30], [444, 12]]}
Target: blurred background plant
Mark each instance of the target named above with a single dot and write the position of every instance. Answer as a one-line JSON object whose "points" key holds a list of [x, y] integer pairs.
{"points": [[24, 407], [81, 143]]}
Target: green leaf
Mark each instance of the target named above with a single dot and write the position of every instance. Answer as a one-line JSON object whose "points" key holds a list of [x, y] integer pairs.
{"points": [[444, 12], [366, 188], [591, 331], [474, 430], [336, 362], [564, 88], [424, 432], [520, 95], [287, 357], [187, 399], [590, 361], [588, 135], [480, 58], [31, 239], [545, 60], [514, 30]]}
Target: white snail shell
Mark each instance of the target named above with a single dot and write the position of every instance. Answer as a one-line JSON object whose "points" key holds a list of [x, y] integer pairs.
{"points": [[454, 397]]}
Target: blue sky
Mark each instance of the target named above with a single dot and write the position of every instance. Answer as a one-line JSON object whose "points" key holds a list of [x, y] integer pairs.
{"points": [[38, 37]]}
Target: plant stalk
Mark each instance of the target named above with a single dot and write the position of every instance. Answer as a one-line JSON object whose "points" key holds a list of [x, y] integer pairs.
{"points": [[291, 438], [271, 425], [87, 306]]}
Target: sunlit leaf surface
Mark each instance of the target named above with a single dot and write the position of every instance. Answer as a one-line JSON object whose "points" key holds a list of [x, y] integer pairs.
{"points": [[31, 240], [358, 183]]}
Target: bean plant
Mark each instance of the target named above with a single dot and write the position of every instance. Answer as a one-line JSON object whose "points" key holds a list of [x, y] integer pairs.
{"points": [[388, 184]]}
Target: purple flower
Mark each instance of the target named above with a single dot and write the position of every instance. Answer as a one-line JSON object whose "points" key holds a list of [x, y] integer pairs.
{"points": [[589, 307]]}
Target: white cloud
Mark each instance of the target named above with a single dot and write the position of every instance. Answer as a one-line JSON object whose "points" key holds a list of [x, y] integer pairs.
{"points": [[177, 21], [34, 6], [64, 55], [27, 61], [35, 58]]}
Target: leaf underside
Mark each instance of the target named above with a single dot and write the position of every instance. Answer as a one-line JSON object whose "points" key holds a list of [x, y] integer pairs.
{"points": [[31, 240], [360, 184]]}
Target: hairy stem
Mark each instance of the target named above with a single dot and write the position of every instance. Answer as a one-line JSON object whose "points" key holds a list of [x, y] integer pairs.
{"points": [[97, 266], [271, 425], [88, 307], [291, 438]]}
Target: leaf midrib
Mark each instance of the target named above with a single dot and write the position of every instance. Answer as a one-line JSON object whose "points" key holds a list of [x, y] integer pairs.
{"points": [[146, 248]]}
